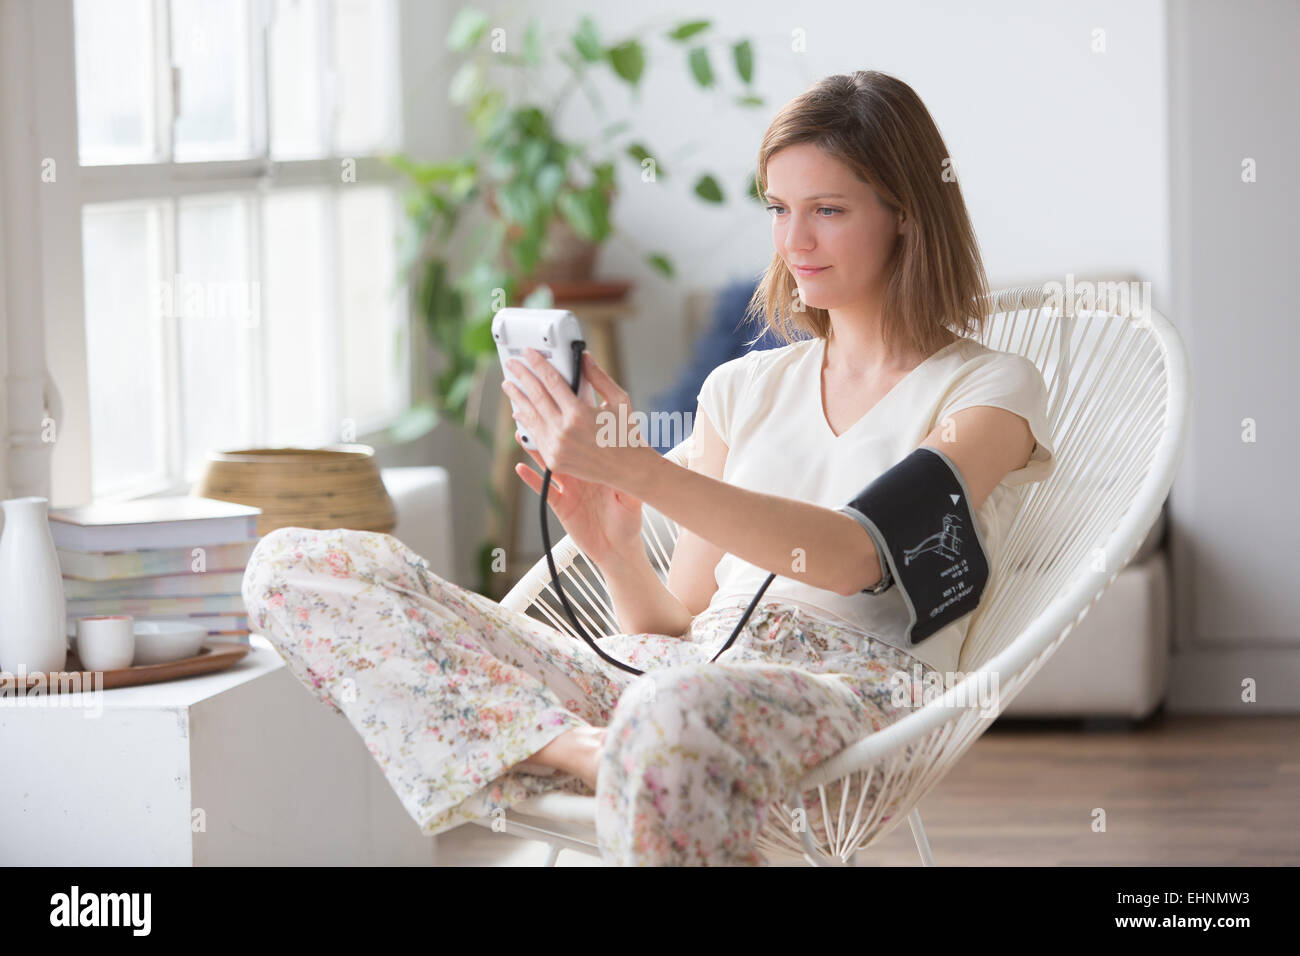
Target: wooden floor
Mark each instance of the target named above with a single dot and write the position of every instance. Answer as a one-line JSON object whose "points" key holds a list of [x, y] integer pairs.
{"points": [[1176, 791]]}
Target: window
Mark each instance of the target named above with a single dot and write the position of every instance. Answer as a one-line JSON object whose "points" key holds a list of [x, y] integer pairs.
{"points": [[238, 230]]}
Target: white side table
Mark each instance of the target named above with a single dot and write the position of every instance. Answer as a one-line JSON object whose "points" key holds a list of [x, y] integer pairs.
{"points": [[280, 778]]}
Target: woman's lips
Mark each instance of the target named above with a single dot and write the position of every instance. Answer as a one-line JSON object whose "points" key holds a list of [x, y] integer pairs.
{"points": [[809, 272]]}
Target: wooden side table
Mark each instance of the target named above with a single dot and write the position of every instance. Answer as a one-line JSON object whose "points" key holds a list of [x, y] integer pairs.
{"points": [[599, 306]]}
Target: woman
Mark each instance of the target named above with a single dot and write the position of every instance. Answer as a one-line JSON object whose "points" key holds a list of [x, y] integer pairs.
{"points": [[875, 280]]}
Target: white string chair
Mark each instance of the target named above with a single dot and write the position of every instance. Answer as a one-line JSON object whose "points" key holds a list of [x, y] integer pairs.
{"points": [[1117, 406]]}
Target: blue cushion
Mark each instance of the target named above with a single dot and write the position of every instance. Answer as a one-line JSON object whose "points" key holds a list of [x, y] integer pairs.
{"points": [[723, 340]]}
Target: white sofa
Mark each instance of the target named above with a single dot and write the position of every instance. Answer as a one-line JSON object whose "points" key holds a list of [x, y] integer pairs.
{"points": [[422, 499], [1115, 663]]}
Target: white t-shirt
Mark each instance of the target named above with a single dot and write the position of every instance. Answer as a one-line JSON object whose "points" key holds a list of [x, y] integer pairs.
{"points": [[767, 407]]}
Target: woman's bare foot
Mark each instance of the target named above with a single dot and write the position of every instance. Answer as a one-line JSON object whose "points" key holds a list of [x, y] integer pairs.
{"points": [[575, 751]]}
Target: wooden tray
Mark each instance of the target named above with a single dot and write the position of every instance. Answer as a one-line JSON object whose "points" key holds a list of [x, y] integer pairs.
{"points": [[213, 655]]}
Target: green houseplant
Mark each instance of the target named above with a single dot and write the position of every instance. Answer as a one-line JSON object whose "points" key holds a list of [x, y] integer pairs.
{"points": [[542, 201]]}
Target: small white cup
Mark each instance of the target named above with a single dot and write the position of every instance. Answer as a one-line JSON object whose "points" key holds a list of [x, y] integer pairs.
{"points": [[106, 642]]}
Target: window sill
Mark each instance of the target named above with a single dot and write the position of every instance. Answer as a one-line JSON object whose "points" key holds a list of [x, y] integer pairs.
{"points": [[380, 440]]}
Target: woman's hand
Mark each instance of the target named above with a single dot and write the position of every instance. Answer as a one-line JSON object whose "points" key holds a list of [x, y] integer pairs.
{"points": [[572, 437], [605, 523]]}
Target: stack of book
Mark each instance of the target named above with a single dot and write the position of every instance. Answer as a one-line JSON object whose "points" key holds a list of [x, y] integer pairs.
{"points": [[174, 559]]}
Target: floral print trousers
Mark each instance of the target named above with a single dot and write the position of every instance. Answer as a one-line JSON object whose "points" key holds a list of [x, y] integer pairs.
{"points": [[449, 690]]}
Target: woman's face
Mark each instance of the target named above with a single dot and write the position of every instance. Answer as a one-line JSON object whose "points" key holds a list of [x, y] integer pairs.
{"points": [[823, 215]]}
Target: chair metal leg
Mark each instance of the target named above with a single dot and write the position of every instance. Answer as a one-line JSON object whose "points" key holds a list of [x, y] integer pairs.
{"points": [[918, 832], [553, 855]]}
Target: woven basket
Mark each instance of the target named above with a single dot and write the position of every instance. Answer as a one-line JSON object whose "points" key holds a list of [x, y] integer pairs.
{"points": [[338, 486]]}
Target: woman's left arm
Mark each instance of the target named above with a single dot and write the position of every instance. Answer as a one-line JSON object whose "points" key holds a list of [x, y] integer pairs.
{"points": [[993, 442], [795, 539]]}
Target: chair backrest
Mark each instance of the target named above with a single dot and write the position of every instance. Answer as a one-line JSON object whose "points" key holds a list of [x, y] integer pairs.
{"points": [[1117, 404], [1116, 376], [1117, 394]]}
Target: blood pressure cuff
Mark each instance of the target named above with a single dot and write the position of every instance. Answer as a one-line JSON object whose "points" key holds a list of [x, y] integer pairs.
{"points": [[919, 517]]}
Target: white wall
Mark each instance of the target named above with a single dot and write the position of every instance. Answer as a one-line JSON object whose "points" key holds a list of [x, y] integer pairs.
{"points": [[433, 128], [4, 349], [1235, 81], [1061, 151]]}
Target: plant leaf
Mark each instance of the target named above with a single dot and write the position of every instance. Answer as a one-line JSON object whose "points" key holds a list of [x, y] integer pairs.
{"points": [[531, 157], [549, 180], [477, 336], [598, 205], [462, 185], [459, 391], [487, 113], [416, 421], [466, 83], [661, 263], [575, 209], [527, 251], [426, 174], [641, 154], [517, 202], [688, 29], [531, 123], [628, 60], [466, 29], [587, 41], [707, 188], [533, 44], [743, 54], [604, 173], [700, 68]]}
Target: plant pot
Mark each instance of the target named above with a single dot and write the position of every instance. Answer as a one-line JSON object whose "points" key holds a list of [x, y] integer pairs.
{"points": [[565, 256]]}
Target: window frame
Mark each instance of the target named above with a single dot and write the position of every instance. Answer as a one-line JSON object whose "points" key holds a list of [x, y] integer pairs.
{"points": [[51, 78]]}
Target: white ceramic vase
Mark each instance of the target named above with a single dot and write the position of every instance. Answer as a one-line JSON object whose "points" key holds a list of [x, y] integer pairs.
{"points": [[33, 626]]}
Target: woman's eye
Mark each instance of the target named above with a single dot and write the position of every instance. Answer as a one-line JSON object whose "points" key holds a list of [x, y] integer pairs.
{"points": [[774, 208]]}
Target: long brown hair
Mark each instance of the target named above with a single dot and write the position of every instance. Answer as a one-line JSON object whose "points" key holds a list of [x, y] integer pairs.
{"points": [[877, 126]]}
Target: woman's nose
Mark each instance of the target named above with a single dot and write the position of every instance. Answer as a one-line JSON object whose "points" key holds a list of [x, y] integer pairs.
{"points": [[798, 235]]}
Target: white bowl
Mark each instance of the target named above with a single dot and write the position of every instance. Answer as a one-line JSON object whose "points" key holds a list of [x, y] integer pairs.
{"points": [[157, 642]]}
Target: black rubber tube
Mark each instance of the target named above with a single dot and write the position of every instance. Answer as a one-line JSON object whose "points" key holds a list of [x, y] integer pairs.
{"points": [[578, 347]]}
